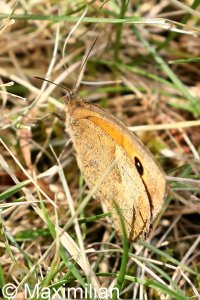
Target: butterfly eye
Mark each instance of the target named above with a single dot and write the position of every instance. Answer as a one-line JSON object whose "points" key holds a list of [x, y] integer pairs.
{"points": [[139, 166]]}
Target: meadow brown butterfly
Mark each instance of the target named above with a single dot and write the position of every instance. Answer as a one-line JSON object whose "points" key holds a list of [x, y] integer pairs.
{"points": [[136, 183]]}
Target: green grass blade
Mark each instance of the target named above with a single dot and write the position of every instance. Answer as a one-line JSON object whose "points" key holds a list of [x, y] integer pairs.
{"points": [[167, 257], [124, 261], [186, 60], [2, 279], [14, 189], [173, 35], [195, 103], [159, 287], [72, 19], [124, 4]]}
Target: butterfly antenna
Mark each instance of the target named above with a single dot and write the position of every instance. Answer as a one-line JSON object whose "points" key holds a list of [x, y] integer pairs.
{"points": [[84, 62], [62, 87]]}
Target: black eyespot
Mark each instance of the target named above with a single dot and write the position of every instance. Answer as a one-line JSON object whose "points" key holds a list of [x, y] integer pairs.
{"points": [[139, 166]]}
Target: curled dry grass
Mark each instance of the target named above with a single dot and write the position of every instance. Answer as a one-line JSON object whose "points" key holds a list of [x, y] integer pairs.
{"points": [[146, 72]]}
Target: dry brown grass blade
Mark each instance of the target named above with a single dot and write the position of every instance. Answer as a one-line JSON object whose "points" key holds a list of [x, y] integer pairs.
{"points": [[65, 239], [27, 175], [174, 125]]}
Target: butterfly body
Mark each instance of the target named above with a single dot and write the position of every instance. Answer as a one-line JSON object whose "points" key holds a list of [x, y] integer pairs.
{"points": [[135, 182]]}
